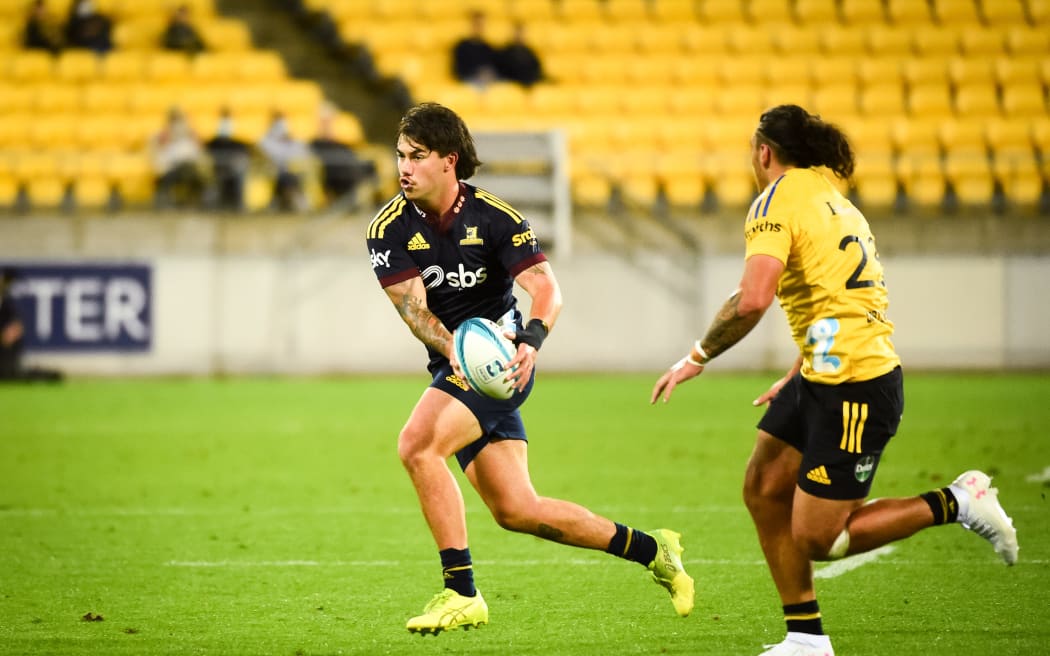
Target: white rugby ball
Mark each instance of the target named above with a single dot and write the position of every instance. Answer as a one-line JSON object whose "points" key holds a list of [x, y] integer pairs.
{"points": [[483, 353]]}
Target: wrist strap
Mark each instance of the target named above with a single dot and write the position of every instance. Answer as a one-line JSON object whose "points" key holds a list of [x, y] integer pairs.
{"points": [[698, 356]]}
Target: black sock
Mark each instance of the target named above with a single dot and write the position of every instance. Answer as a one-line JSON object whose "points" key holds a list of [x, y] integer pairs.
{"points": [[803, 618], [943, 504], [632, 544], [458, 571]]}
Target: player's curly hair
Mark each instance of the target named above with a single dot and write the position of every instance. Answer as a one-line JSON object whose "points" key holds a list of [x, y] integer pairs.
{"points": [[442, 130], [799, 138]]}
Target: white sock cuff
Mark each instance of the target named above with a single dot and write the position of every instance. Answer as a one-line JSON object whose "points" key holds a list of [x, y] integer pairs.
{"points": [[962, 497]]}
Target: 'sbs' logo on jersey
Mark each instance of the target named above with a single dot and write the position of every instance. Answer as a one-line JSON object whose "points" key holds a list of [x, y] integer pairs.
{"points": [[433, 276], [380, 259]]}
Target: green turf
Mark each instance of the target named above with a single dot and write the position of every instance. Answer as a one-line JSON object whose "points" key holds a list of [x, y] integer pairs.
{"points": [[273, 517]]}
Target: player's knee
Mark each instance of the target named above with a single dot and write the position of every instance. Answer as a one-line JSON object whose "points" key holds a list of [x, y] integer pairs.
{"points": [[511, 515], [411, 448], [823, 546], [766, 491]]}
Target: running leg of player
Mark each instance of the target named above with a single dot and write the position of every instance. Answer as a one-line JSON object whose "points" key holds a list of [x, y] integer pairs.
{"points": [[438, 427], [795, 528], [500, 474]]}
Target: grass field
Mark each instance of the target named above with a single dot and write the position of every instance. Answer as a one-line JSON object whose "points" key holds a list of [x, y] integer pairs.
{"points": [[273, 517]]}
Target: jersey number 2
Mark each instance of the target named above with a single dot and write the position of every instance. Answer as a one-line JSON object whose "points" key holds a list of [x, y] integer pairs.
{"points": [[822, 335]]}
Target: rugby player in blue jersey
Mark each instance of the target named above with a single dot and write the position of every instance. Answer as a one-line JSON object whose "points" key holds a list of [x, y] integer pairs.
{"points": [[445, 251]]}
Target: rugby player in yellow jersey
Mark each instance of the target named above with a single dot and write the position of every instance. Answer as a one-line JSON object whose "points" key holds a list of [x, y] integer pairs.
{"points": [[829, 419]]}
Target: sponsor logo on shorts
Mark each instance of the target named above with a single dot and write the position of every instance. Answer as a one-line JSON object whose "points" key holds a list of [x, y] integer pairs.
{"points": [[865, 468], [819, 475], [457, 381]]}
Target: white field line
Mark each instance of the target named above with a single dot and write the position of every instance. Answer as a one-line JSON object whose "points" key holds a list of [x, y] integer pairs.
{"points": [[840, 567], [383, 510]]}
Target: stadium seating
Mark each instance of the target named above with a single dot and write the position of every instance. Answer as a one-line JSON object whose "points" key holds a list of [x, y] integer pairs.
{"points": [[74, 126]]}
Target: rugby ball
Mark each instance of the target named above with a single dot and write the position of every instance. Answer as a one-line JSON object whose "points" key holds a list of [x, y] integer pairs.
{"points": [[483, 353]]}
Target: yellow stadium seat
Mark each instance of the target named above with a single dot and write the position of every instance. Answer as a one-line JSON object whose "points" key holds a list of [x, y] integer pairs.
{"points": [[16, 97], [976, 99], [930, 99], [981, 42], [919, 71], [720, 12], [922, 179], [9, 189], [152, 100], [660, 39], [935, 41], [861, 13], [56, 97], [879, 70], [1014, 71], [253, 98], [14, 131], [746, 39], [1008, 136], [30, 66], [741, 70], [603, 100], [54, 131], [1023, 100], [956, 13], [602, 70], [77, 66], [840, 40], [771, 13], [140, 33], [867, 136], [816, 12], [876, 179], [580, 10], [530, 11], [299, 96], [685, 192], [1003, 12], [91, 191], [835, 101], [124, 65], [691, 101], [97, 132], [164, 67], [627, 11], [45, 193], [788, 93], [504, 99], [203, 99], [651, 101], [225, 34], [741, 100], [614, 39], [1025, 41], [551, 100], [590, 189], [903, 13], [888, 41], [347, 128], [917, 136], [672, 11], [260, 65], [787, 69], [131, 175], [695, 71], [216, 67], [964, 134], [1039, 12], [833, 70], [970, 176], [796, 40], [964, 71], [104, 97], [702, 39]]}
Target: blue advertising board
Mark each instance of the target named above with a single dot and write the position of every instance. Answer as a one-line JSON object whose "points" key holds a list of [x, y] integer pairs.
{"points": [[84, 307]]}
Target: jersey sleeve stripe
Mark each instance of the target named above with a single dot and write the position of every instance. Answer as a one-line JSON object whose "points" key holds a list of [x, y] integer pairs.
{"points": [[497, 203], [765, 208], [526, 263], [378, 225]]}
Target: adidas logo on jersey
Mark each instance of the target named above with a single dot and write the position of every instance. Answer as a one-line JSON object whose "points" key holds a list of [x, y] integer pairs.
{"points": [[819, 475], [417, 243]]}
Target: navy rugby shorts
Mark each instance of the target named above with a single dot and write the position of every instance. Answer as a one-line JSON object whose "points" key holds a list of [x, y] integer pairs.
{"points": [[499, 419], [841, 430]]}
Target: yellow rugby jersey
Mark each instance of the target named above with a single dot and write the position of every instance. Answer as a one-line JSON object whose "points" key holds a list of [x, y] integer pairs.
{"points": [[832, 287]]}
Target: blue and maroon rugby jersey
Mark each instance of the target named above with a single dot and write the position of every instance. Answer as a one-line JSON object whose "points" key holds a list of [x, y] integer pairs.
{"points": [[468, 257]]}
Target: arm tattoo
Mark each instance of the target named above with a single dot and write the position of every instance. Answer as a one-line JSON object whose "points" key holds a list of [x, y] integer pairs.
{"points": [[423, 324], [729, 326], [549, 533]]}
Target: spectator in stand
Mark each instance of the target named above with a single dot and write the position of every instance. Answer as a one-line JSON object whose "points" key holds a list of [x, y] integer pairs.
{"points": [[42, 31], [518, 62], [286, 154], [86, 28], [178, 162], [12, 332], [341, 170], [180, 33], [230, 158], [473, 60]]}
